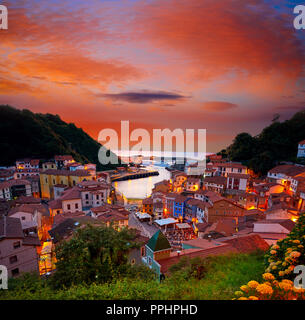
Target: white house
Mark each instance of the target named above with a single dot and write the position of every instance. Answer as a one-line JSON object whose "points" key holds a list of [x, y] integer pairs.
{"points": [[301, 149]]}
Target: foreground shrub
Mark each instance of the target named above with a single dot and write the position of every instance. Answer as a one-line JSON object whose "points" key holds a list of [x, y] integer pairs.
{"points": [[270, 289], [287, 253]]}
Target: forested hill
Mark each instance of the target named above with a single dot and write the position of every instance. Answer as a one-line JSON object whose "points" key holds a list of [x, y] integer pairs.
{"points": [[24, 134], [277, 142]]}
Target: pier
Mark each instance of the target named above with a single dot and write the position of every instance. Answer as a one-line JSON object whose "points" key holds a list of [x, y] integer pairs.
{"points": [[133, 175]]}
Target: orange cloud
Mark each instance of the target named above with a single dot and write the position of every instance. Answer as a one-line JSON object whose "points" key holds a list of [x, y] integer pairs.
{"points": [[218, 106], [217, 38]]}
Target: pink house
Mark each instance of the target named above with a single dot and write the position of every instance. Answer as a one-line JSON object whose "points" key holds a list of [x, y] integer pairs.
{"points": [[17, 251]]}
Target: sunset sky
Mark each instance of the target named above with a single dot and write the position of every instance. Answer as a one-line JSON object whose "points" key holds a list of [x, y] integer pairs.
{"points": [[227, 66]]}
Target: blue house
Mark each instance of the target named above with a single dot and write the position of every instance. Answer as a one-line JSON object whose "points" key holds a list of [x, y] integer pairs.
{"points": [[179, 206]]}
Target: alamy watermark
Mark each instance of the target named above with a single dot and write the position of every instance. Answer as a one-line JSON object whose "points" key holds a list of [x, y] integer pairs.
{"points": [[3, 17], [299, 20], [299, 281], [3, 277], [162, 144]]}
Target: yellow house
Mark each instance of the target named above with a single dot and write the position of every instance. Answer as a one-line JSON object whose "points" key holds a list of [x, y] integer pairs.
{"points": [[49, 178], [49, 165]]}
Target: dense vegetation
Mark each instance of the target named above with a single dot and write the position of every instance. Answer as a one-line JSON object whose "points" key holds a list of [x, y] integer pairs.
{"points": [[277, 142], [287, 253], [223, 275], [24, 134], [96, 255], [280, 262]]}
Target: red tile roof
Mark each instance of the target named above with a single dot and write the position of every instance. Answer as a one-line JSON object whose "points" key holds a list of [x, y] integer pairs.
{"points": [[76, 173]]}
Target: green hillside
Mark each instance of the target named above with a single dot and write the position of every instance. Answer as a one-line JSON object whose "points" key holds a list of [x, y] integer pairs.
{"points": [[277, 142], [24, 134]]}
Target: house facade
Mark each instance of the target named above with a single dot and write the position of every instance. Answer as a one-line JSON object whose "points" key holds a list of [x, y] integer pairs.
{"points": [[17, 251]]}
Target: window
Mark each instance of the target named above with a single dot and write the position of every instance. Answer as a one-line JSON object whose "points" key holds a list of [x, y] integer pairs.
{"points": [[87, 196], [16, 244], [133, 261], [69, 207], [15, 272], [23, 218], [97, 197], [13, 259], [76, 205]]}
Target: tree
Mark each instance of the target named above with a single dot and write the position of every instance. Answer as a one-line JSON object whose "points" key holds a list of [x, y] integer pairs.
{"points": [[243, 147], [93, 254]]}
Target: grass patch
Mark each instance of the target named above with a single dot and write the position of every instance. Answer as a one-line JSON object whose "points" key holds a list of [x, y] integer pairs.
{"points": [[224, 275]]}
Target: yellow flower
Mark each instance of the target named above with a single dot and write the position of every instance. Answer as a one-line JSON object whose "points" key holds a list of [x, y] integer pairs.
{"points": [[300, 246], [253, 284], [267, 283], [253, 298], [295, 254], [264, 289], [284, 264], [281, 273], [268, 276], [242, 298], [274, 267], [285, 286], [238, 293], [275, 247], [298, 290], [275, 282], [287, 281], [296, 241], [244, 288], [273, 252]]}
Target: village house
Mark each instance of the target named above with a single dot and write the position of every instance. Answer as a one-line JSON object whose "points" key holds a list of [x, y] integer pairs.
{"points": [[15, 188], [272, 230], [202, 208], [162, 186], [147, 206], [196, 169], [216, 184], [30, 215], [169, 204], [82, 197], [51, 177], [237, 182], [179, 205], [156, 249], [49, 165], [193, 184], [224, 208], [62, 161], [179, 179], [27, 164], [284, 174], [282, 210], [225, 168], [17, 251], [301, 149], [158, 210], [191, 208], [111, 214], [6, 174]]}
